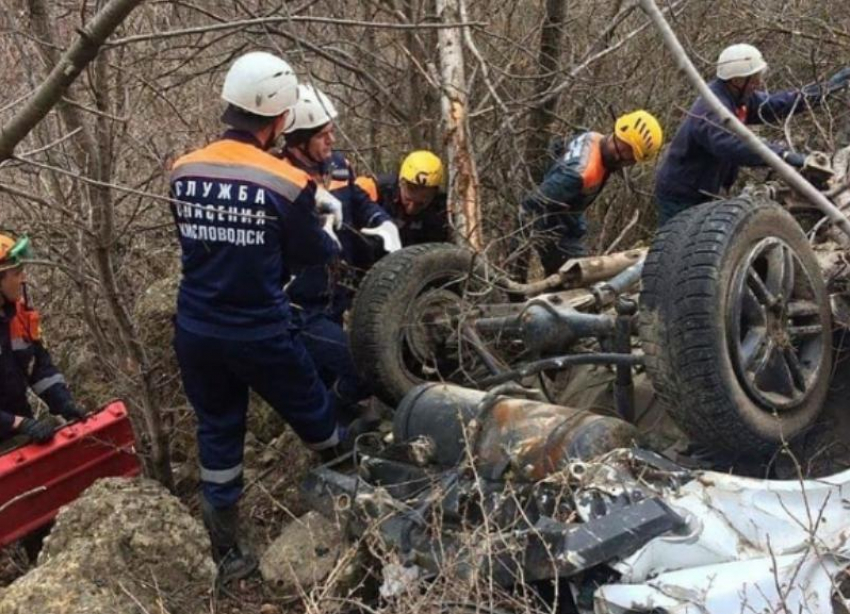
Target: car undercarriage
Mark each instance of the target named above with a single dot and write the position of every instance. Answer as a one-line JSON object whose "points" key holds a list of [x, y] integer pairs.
{"points": [[727, 330]]}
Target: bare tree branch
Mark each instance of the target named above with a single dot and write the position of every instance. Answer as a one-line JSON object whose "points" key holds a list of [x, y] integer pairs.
{"points": [[139, 38], [548, 58], [70, 65]]}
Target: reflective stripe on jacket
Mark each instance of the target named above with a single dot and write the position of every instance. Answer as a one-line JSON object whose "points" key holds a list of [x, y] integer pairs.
{"points": [[25, 363]]}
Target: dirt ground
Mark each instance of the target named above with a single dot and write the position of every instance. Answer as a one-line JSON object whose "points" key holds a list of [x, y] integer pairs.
{"points": [[14, 562]]}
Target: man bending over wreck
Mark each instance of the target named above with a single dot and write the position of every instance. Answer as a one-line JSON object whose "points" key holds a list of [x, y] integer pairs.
{"points": [[555, 210]]}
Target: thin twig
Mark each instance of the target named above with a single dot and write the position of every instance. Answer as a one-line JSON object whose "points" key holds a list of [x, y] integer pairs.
{"points": [[138, 38], [623, 232], [50, 145], [24, 495]]}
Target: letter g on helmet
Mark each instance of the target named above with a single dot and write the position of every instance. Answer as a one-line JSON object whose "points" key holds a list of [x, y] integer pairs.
{"points": [[422, 168]]}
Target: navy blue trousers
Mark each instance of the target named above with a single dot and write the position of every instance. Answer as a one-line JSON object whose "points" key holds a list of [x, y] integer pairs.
{"points": [[668, 209], [217, 375]]}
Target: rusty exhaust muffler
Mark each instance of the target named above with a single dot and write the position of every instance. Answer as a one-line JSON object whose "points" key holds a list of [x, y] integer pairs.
{"points": [[529, 438]]}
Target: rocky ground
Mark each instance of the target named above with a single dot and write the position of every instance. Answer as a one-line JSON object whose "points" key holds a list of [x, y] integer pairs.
{"points": [[275, 462], [126, 545]]}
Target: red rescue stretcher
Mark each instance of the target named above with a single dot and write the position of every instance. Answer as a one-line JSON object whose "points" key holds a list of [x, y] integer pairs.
{"points": [[37, 479]]}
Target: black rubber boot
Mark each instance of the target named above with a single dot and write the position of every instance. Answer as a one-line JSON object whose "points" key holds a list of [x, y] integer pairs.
{"points": [[223, 526]]}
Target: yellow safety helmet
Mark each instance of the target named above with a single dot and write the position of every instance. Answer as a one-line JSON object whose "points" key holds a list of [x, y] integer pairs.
{"points": [[642, 132], [13, 252], [422, 168]]}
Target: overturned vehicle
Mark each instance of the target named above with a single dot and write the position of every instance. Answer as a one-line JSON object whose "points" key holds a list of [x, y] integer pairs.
{"points": [[729, 319], [731, 313]]}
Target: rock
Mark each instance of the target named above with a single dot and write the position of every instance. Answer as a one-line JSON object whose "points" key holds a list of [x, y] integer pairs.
{"points": [[123, 546], [398, 579], [268, 608], [304, 553]]}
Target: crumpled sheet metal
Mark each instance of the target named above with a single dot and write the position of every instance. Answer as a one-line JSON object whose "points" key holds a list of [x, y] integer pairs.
{"points": [[804, 586], [760, 545]]}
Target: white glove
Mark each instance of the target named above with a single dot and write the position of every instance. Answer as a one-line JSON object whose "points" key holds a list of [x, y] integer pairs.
{"points": [[388, 232], [328, 227], [329, 204]]}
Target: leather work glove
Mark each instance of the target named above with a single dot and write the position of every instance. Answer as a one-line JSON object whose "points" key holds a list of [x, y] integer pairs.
{"points": [[797, 160], [328, 227], [39, 431], [72, 412], [329, 204], [388, 233]]}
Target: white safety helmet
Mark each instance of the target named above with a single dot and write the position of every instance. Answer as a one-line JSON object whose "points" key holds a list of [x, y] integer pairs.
{"points": [[260, 83], [312, 110], [739, 60]]}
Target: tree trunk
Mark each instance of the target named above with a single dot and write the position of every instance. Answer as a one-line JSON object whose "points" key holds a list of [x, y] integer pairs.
{"points": [[66, 70], [103, 221], [463, 202], [540, 118], [94, 157], [731, 123], [375, 148]]}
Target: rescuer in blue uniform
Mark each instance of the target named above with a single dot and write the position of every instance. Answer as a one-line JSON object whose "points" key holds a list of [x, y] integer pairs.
{"points": [[24, 361], [321, 293], [244, 218], [704, 157], [413, 198], [555, 211]]}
